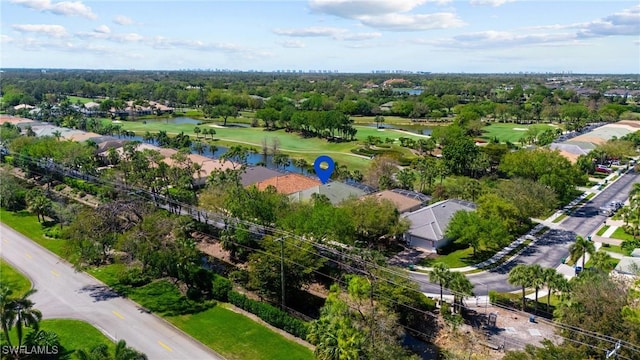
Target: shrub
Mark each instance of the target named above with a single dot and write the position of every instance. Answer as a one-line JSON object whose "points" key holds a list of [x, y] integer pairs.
{"points": [[270, 314], [53, 232], [220, 288], [133, 277]]}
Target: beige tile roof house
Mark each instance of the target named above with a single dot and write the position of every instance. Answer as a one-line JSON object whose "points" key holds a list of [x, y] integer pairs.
{"points": [[288, 184]]}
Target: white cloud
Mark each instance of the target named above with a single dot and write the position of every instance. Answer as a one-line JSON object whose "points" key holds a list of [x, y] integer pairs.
{"points": [[334, 33], [56, 31], [66, 8], [402, 22], [5, 39], [392, 15], [359, 36], [502, 39], [295, 44], [355, 8], [310, 32], [103, 29], [626, 22], [123, 20], [494, 3]]}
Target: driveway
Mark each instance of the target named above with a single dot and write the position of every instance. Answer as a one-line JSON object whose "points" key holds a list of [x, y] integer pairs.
{"points": [[65, 293]]}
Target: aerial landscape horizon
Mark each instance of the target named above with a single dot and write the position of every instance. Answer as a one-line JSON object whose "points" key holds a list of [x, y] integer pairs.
{"points": [[442, 36]]}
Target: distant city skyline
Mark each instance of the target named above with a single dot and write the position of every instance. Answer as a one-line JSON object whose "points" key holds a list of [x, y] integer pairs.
{"points": [[346, 36]]}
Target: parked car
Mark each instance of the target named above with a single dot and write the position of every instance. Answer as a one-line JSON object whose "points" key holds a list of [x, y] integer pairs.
{"points": [[603, 169]]}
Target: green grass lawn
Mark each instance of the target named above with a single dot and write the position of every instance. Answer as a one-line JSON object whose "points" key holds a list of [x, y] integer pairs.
{"points": [[603, 230], [559, 218], [83, 100], [614, 248], [612, 263], [246, 339], [27, 224], [620, 234], [73, 334], [13, 279], [459, 258], [235, 336], [290, 143], [508, 131]]}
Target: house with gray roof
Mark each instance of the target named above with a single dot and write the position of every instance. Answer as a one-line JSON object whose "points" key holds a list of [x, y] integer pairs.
{"points": [[429, 224], [629, 265], [336, 192], [256, 174]]}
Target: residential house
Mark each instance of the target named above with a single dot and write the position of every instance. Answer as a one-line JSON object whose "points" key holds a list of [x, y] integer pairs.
{"points": [[429, 224], [403, 200], [336, 192], [629, 265], [256, 174], [288, 184]]}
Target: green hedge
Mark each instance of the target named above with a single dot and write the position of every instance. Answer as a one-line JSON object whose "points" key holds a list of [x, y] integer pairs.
{"points": [[82, 185], [270, 314]]}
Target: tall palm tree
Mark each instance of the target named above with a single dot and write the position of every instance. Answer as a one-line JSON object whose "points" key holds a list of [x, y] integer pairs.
{"points": [[537, 279], [442, 275], [461, 287], [553, 280], [601, 260], [520, 275], [18, 312], [581, 247]]}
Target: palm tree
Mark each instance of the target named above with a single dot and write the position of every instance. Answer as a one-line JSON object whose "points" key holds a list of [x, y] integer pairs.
{"points": [[601, 260], [581, 247], [520, 275], [442, 275], [123, 352], [101, 352], [537, 279], [460, 286], [553, 280], [18, 312]]}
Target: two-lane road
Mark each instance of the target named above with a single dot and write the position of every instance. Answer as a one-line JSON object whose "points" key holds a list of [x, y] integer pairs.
{"points": [[550, 248], [65, 293]]}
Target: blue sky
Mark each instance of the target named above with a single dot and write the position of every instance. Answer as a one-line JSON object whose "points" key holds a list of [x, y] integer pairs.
{"points": [[487, 36]]}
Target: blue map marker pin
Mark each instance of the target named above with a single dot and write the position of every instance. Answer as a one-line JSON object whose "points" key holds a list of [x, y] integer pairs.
{"points": [[324, 174]]}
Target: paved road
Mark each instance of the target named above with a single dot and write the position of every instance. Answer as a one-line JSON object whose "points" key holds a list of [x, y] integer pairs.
{"points": [[65, 293], [549, 250]]}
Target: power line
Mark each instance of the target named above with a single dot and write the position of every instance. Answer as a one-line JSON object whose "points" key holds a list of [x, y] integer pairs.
{"points": [[227, 219]]}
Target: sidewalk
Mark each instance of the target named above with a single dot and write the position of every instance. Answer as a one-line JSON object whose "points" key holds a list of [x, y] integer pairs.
{"points": [[548, 222]]}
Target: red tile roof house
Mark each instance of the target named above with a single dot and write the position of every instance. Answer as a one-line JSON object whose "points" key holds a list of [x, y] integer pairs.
{"points": [[288, 184]]}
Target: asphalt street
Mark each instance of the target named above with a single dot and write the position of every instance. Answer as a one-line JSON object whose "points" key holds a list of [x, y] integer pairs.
{"points": [[550, 248], [65, 293]]}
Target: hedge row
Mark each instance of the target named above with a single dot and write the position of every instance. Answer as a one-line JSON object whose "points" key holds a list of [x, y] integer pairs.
{"points": [[270, 314], [82, 185]]}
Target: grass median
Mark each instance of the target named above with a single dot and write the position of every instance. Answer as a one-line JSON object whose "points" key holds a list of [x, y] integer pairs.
{"points": [[13, 279]]}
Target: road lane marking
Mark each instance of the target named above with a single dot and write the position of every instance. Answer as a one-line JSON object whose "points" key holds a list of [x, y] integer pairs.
{"points": [[28, 255], [117, 314], [55, 273], [165, 346]]}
